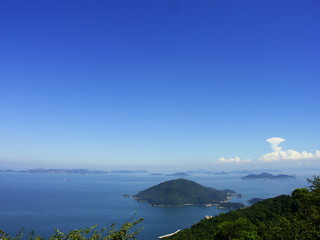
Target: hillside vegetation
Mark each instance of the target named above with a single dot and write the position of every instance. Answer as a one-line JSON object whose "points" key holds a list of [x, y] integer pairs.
{"points": [[127, 231], [283, 217]]}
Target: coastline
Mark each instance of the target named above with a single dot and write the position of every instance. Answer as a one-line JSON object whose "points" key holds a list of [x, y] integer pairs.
{"points": [[220, 205], [185, 205]]}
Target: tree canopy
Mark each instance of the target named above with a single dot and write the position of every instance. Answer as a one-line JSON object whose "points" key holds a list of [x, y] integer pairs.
{"points": [[284, 217], [127, 231]]}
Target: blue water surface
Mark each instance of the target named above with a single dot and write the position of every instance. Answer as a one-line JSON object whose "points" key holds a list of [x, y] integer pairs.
{"points": [[43, 202]]}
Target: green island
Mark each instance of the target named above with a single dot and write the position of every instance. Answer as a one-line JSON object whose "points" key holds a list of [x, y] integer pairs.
{"points": [[182, 192], [268, 176]]}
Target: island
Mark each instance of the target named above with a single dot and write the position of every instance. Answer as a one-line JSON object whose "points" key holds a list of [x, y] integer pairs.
{"points": [[220, 173], [55, 171], [267, 176], [72, 171], [232, 193], [182, 192], [124, 171], [181, 174]]}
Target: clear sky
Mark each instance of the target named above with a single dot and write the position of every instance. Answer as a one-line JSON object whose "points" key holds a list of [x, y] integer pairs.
{"points": [[137, 84]]}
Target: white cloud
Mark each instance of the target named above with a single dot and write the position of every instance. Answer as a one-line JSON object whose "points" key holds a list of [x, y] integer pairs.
{"points": [[275, 141], [277, 154], [288, 155], [236, 160]]}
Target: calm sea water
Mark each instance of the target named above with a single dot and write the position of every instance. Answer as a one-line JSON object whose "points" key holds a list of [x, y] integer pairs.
{"points": [[43, 202]]}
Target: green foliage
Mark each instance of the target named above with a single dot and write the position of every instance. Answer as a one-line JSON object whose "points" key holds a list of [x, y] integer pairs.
{"points": [[127, 231], [231, 205], [315, 183], [255, 200], [280, 218], [180, 192], [240, 229]]}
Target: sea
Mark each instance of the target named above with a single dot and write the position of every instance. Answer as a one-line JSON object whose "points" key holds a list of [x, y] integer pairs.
{"points": [[43, 202]]}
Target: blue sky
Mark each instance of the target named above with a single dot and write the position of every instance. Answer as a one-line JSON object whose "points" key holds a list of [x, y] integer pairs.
{"points": [[137, 84]]}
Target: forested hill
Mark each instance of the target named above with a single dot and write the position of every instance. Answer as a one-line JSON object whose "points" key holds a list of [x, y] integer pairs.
{"points": [[283, 217], [268, 176], [181, 192]]}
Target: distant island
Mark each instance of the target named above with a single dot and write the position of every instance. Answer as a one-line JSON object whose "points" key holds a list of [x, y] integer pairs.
{"points": [[128, 171], [267, 176], [72, 171], [54, 170], [206, 172], [221, 173], [181, 174], [182, 192]]}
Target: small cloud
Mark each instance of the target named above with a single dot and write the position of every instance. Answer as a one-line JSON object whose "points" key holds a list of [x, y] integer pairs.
{"points": [[236, 160], [275, 141]]}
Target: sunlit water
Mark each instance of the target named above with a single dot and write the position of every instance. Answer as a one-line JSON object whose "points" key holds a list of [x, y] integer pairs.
{"points": [[43, 202]]}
